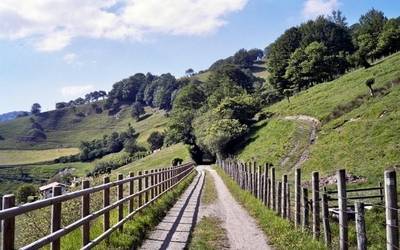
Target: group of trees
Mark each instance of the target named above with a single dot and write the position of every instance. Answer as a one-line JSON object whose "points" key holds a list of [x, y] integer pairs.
{"points": [[90, 97], [211, 115], [242, 58], [325, 48], [147, 90], [90, 150]]}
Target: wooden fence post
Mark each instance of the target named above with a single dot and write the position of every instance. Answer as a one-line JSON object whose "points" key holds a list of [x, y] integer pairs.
{"points": [[106, 202], [152, 184], [265, 195], [119, 197], [146, 185], [140, 187], [297, 191], [391, 207], [269, 193], [56, 218], [305, 209], [360, 226], [283, 197], [342, 202], [279, 200], [85, 212], [8, 224], [288, 201], [259, 183], [325, 220], [131, 192], [316, 208], [273, 189]]}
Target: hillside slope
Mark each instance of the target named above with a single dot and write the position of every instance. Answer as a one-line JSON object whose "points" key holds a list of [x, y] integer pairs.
{"points": [[68, 127], [358, 132]]}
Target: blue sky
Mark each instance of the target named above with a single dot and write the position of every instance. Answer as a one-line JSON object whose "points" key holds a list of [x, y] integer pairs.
{"points": [[52, 52]]}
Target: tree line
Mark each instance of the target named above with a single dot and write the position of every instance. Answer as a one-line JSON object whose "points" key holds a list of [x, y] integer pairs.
{"points": [[322, 49]]}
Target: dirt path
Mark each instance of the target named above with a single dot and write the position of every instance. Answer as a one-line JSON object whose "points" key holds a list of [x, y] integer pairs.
{"points": [[313, 124], [174, 230], [242, 230]]}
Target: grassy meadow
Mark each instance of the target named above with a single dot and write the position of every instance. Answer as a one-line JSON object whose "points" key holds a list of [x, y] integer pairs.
{"points": [[18, 157]]}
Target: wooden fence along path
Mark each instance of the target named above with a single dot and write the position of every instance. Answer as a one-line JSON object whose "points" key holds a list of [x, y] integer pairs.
{"points": [[276, 195], [151, 185]]}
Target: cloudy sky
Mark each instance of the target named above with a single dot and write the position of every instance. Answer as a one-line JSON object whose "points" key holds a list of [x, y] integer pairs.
{"points": [[57, 50]]}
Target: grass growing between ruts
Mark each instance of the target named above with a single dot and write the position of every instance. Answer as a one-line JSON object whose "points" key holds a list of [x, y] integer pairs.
{"points": [[209, 194], [281, 233], [209, 232], [209, 235]]}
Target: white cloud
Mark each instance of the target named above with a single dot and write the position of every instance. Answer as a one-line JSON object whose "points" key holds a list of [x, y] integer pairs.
{"points": [[74, 91], [54, 24], [314, 8], [69, 58]]}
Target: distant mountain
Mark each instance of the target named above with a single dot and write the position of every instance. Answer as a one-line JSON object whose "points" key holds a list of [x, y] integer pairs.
{"points": [[11, 115]]}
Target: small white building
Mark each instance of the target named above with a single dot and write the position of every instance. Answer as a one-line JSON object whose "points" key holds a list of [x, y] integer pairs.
{"points": [[47, 190]]}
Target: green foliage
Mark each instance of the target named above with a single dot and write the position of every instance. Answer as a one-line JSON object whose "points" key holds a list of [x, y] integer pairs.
{"points": [[24, 191], [156, 140], [241, 108], [214, 134], [137, 110], [36, 108], [90, 150]]}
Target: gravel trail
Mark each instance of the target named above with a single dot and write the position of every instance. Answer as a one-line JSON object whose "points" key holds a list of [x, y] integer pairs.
{"points": [[242, 230]]}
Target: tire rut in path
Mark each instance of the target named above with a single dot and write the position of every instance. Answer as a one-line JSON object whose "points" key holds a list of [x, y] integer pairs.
{"points": [[242, 230], [174, 230]]}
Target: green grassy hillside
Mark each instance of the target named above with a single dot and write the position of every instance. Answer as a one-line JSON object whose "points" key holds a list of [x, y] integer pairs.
{"points": [[358, 132], [15, 157], [68, 127]]}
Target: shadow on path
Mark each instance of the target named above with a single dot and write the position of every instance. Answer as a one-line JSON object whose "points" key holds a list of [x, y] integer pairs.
{"points": [[174, 230]]}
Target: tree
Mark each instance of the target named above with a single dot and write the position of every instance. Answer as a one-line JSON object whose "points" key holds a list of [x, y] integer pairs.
{"points": [[189, 72], [288, 93], [61, 105], [241, 108], [369, 84], [36, 108], [156, 140], [338, 18], [24, 191], [367, 33], [137, 110], [389, 39]]}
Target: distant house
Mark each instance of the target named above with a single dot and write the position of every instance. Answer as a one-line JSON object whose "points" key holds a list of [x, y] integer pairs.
{"points": [[47, 190]]}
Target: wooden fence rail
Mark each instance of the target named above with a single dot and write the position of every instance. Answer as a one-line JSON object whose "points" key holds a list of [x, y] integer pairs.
{"points": [[276, 196], [151, 186]]}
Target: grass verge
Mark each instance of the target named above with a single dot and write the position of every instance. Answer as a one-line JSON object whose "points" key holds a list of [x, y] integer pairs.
{"points": [[281, 233], [209, 235]]}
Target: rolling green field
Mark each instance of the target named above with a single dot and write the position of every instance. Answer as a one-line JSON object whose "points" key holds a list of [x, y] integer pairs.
{"points": [[15, 157], [358, 132], [68, 127]]}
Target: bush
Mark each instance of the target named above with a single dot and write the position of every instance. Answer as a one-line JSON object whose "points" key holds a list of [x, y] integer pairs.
{"points": [[176, 161], [156, 140], [24, 191]]}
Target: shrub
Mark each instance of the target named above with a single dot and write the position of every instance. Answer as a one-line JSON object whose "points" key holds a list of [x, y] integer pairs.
{"points": [[24, 191], [156, 140], [176, 161]]}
